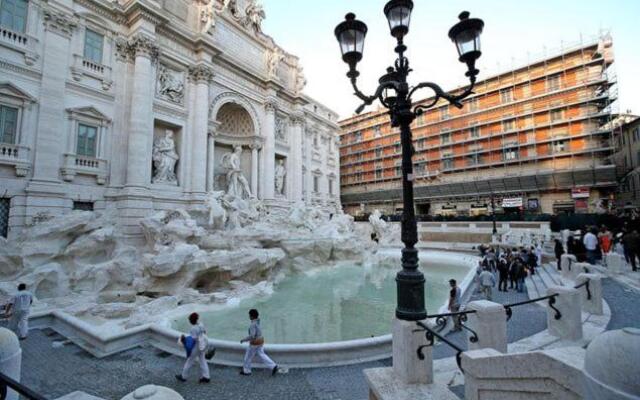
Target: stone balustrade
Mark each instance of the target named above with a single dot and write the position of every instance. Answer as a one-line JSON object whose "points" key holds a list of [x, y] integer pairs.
{"points": [[76, 164], [84, 67], [564, 314], [591, 293], [489, 323], [16, 155]]}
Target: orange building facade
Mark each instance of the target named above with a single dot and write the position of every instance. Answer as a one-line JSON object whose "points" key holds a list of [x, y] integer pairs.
{"points": [[537, 139]]}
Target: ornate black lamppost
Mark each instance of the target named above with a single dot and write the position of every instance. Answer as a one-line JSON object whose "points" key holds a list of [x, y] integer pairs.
{"points": [[395, 94]]}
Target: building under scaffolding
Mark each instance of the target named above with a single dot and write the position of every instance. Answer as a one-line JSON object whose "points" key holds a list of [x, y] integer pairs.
{"points": [[537, 138]]}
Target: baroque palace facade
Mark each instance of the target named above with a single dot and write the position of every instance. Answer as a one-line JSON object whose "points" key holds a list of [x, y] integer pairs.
{"points": [[538, 138], [133, 105]]}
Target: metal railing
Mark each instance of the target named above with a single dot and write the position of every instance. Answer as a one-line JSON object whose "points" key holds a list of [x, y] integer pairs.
{"points": [[441, 322], [431, 335], [585, 284], [7, 383], [551, 298]]}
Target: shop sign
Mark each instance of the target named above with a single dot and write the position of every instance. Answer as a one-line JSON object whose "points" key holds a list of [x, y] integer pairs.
{"points": [[512, 202], [580, 193], [533, 204]]}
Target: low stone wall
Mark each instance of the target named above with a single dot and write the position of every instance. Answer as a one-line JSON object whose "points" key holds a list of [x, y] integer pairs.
{"points": [[458, 237]]}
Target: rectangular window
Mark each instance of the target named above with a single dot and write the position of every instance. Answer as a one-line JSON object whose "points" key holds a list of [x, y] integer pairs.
{"points": [[87, 137], [444, 113], [377, 131], [398, 171], [13, 14], [420, 120], [474, 132], [559, 146], [83, 205], [316, 184], [636, 134], [511, 154], [474, 104], [556, 115], [445, 138], [357, 137], [331, 187], [447, 162], [5, 205], [508, 125], [474, 159], [422, 143], [8, 124], [554, 82], [378, 153], [398, 147], [506, 95], [93, 44], [378, 174], [420, 168]]}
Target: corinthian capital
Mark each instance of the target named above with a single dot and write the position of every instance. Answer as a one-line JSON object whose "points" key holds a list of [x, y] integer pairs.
{"points": [[297, 118], [270, 104], [201, 73], [145, 46]]}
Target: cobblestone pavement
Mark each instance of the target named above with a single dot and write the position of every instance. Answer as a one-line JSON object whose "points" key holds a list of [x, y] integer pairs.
{"points": [[54, 369]]}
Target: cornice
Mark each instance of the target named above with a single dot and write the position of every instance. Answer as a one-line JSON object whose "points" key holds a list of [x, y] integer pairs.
{"points": [[140, 10], [110, 10], [10, 66], [59, 21]]}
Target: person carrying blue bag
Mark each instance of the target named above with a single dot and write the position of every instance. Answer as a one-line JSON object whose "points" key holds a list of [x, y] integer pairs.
{"points": [[197, 348]]}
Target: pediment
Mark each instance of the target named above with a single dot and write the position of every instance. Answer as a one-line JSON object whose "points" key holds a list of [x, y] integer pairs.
{"points": [[90, 112], [8, 89]]}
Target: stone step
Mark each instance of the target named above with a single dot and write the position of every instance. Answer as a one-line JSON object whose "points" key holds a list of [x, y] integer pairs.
{"points": [[550, 275]]}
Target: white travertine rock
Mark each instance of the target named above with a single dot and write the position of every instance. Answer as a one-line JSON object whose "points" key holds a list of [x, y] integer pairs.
{"points": [[149, 312], [611, 367], [10, 358], [169, 260], [489, 323], [153, 392], [569, 326]]}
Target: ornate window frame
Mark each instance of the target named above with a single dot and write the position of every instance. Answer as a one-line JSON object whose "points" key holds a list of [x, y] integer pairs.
{"points": [[17, 153], [83, 67], [75, 164]]}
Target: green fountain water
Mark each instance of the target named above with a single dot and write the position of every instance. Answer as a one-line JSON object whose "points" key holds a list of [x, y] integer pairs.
{"points": [[328, 304]]}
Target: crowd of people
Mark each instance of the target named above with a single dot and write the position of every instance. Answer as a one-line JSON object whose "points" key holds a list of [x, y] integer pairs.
{"points": [[592, 244]]}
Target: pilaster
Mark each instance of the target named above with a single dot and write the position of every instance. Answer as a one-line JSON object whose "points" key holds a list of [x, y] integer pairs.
{"points": [[269, 156], [201, 75]]}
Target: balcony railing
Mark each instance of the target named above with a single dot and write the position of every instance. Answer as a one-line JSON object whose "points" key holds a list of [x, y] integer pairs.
{"points": [[78, 164], [20, 42], [12, 37], [16, 155], [84, 67]]}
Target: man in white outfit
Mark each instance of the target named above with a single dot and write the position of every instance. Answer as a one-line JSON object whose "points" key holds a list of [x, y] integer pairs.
{"points": [[256, 346], [18, 308], [198, 333]]}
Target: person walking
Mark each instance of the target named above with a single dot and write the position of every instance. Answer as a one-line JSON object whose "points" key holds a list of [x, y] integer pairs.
{"points": [[513, 273], [455, 299], [632, 247], [590, 242], [487, 282], [521, 274], [559, 251], [19, 308], [503, 275], [256, 346], [196, 346]]}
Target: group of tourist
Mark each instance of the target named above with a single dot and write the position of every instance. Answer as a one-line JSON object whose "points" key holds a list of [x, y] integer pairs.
{"points": [[592, 245]]}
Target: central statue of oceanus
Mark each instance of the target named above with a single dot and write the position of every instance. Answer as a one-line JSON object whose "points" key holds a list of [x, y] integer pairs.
{"points": [[237, 184]]}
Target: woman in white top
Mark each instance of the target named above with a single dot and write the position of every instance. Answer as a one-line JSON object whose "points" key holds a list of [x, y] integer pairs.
{"points": [[198, 333]]}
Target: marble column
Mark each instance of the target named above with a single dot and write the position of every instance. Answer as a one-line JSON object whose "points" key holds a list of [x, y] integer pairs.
{"points": [[141, 122], [295, 170], [269, 151], [254, 168], [211, 146], [50, 144], [201, 75], [308, 155]]}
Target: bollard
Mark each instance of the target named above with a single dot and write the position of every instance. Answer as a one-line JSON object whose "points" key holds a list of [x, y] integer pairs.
{"points": [[566, 261], [489, 322], [153, 392], [611, 366], [591, 295], [10, 358], [407, 367], [569, 324], [579, 268]]}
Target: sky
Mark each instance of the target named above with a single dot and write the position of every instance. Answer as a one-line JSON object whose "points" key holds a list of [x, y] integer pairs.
{"points": [[515, 31]]}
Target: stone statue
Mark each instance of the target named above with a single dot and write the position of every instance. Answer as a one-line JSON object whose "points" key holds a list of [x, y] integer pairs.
{"points": [[279, 173], [237, 184], [170, 85], [217, 213], [274, 57], [379, 225], [207, 16], [254, 15], [165, 159], [301, 81]]}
